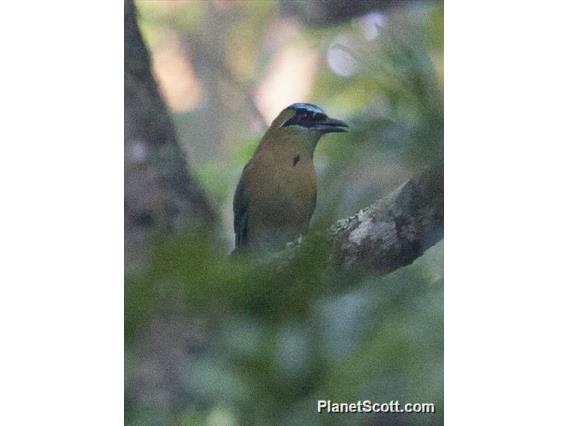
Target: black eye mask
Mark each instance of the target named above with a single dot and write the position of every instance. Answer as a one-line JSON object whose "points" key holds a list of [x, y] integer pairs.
{"points": [[305, 118]]}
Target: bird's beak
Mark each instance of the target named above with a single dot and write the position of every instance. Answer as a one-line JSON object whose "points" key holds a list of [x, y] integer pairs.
{"points": [[332, 125]]}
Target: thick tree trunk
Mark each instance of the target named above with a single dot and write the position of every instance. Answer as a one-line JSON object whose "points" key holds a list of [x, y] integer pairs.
{"points": [[159, 192], [160, 195]]}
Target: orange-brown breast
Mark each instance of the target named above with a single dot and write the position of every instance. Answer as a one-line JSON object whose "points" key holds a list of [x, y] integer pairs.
{"points": [[281, 183]]}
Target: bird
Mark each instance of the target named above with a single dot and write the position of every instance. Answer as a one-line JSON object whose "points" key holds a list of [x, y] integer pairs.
{"points": [[276, 194]]}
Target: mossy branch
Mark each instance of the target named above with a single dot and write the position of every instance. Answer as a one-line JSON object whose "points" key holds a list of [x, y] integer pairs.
{"points": [[389, 234]]}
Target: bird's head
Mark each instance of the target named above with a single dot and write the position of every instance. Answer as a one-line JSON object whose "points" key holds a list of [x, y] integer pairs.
{"points": [[308, 122]]}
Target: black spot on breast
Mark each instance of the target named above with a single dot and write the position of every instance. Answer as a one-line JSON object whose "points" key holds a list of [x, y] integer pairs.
{"points": [[295, 160]]}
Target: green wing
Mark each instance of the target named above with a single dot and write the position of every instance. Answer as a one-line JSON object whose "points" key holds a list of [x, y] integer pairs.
{"points": [[240, 212]]}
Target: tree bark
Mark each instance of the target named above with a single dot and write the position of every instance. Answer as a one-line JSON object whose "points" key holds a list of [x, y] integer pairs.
{"points": [[160, 196], [389, 234], [159, 191]]}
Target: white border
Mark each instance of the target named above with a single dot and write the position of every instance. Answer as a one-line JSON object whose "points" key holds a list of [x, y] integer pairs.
{"points": [[506, 212], [61, 174]]}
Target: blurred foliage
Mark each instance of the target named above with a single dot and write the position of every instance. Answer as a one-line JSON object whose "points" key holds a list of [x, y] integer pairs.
{"points": [[266, 345]]}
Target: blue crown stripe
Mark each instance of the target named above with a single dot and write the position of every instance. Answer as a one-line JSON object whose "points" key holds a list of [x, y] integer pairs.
{"points": [[308, 107]]}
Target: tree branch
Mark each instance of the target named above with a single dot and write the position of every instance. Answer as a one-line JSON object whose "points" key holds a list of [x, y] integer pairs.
{"points": [[389, 234]]}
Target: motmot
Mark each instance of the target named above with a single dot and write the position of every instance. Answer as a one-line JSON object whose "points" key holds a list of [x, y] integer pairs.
{"points": [[276, 195]]}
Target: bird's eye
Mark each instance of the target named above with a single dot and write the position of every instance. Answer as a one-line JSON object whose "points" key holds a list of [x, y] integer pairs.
{"points": [[303, 116]]}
